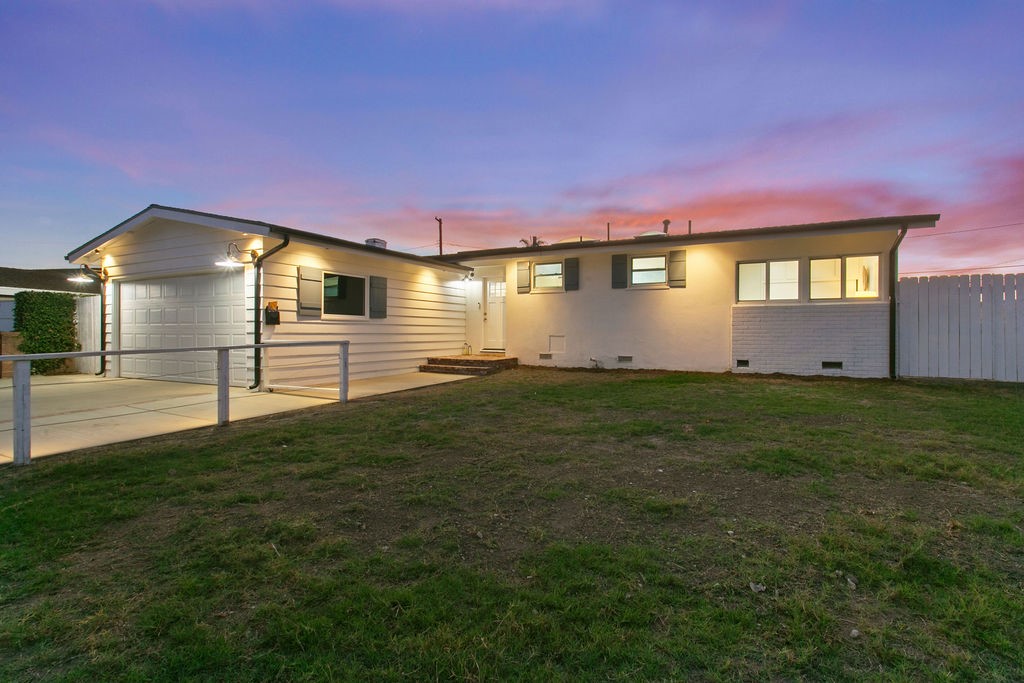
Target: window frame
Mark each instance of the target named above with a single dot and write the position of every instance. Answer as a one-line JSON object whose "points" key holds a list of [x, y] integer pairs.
{"points": [[324, 315], [560, 287], [804, 283], [843, 293], [767, 281], [663, 283]]}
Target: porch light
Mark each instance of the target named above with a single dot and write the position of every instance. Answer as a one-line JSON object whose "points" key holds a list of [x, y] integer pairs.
{"points": [[236, 257]]}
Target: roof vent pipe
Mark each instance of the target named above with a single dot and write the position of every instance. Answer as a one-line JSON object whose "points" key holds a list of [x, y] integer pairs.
{"points": [[665, 223], [377, 242]]}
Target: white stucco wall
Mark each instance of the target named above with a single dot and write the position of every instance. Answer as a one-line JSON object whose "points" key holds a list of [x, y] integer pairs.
{"points": [[687, 328]]}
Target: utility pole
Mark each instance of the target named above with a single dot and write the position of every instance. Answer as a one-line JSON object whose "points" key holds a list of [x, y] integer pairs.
{"points": [[440, 236]]}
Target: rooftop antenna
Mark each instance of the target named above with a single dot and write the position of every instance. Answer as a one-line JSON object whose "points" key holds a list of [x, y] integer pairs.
{"points": [[440, 236]]}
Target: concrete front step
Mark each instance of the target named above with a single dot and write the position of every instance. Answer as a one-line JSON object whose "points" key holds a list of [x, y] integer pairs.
{"points": [[476, 364], [476, 370]]}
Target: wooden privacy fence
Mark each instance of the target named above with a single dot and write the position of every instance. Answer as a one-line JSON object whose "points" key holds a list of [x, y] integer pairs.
{"points": [[969, 326]]}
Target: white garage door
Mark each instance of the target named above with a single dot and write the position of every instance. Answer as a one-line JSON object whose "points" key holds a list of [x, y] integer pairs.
{"points": [[180, 312]]}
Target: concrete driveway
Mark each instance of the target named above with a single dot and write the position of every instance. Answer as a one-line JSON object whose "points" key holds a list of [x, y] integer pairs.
{"points": [[79, 411]]}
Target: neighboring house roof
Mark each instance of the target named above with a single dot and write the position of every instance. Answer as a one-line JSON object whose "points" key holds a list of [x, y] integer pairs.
{"points": [[223, 222], [47, 279], [912, 221]]}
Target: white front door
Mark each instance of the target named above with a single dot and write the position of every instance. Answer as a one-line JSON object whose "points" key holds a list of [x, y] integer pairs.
{"points": [[494, 316]]}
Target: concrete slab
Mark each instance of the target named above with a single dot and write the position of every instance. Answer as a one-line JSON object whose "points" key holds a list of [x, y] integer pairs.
{"points": [[79, 411]]}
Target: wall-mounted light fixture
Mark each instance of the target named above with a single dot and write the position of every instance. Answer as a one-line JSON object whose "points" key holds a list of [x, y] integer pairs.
{"points": [[470, 275], [236, 257], [87, 274]]}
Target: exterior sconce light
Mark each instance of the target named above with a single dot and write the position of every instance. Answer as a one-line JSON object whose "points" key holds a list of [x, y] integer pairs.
{"points": [[236, 257]]}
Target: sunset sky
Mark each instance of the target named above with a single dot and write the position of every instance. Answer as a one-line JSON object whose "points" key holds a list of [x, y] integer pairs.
{"points": [[512, 118]]}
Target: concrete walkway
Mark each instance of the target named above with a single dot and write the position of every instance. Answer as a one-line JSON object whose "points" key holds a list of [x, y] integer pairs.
{"points": [[78, 411]]}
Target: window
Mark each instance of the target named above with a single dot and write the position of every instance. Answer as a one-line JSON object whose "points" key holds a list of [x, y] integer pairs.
{"points": [[768, 280], [862, 277], [551, 276], [751, 285], [344, 295], [826, 278], [547, 275], [860, 280], [647, 270], [784, 280]]}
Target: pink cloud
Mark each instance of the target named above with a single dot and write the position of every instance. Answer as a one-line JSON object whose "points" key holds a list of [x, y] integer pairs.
{"points": [[956, 245], [138, 161]]}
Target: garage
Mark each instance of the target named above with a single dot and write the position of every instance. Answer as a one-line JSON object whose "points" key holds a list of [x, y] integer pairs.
{"points": [[182, 312]]}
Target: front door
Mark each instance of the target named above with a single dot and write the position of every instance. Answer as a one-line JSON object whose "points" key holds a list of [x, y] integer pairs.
{"points": [[494, 316]]}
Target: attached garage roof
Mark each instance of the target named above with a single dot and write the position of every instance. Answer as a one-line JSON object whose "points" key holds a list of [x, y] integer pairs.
{"points": [[218, 221]]}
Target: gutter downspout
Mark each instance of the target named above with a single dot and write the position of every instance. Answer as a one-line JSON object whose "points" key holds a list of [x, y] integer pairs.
{"points": [[102, 279], [257, 319], [893, 285]]}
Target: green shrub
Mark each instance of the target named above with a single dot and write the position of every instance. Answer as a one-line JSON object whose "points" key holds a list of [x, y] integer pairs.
{"points": [[46, 321]]}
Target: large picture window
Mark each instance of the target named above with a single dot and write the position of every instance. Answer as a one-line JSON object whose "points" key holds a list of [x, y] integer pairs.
{"points": [[344, 295]]}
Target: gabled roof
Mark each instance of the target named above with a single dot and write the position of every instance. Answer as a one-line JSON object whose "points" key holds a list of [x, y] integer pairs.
{"points": [[880, 223], [218, 221], [47, 279]]}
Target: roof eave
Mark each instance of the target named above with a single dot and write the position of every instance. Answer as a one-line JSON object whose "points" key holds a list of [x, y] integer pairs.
{"points": [[880, 223]]}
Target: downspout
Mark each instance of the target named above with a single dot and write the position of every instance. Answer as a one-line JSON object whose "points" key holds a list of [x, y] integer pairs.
{"points": [[102, 279], [893, 284], [257, 307]]}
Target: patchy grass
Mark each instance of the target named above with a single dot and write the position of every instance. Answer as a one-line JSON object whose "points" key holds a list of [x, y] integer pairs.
{"points": [[537, 525]]}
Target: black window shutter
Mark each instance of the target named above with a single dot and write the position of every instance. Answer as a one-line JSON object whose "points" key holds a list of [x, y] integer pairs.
{"points": [[311, 291], [378, 297], [677, 268], [571, 272], [523, 277], [620, 271]]}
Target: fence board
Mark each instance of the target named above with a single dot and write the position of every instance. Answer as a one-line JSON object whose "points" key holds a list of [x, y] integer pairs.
{"points": [[964, 337], [942, 327], [907, 311], [969, 326]]}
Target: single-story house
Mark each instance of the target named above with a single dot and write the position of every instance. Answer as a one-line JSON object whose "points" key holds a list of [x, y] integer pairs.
{"points": [[804, 299]]}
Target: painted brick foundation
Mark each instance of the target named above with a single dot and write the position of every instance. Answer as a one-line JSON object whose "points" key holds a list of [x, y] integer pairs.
{"points": [[797, 339]]}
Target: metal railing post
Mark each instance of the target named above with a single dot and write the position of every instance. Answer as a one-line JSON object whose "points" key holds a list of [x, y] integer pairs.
{"points": [[223, 373], [22, 412]]}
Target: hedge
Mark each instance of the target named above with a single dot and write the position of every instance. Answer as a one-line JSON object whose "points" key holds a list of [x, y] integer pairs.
{"points": [[46, 321]]}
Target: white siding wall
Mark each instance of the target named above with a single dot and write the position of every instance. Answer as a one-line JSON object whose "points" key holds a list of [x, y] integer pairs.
{"points": [[426, 316], [426, 306], [796, 340], [687, 328], [167, 248]]}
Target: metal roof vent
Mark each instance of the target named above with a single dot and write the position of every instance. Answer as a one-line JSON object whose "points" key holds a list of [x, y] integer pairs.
{"points": [[377, 242]]}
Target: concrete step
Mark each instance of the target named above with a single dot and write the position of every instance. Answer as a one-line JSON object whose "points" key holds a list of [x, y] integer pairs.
{"points": [[476, 361], [476, 370]]}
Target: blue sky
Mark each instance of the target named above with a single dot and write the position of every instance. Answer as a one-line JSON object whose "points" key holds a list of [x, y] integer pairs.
{"points": [[514, 118]]}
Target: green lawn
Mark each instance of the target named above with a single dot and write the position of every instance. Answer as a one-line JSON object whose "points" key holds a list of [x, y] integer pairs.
{"points": [[537, 525]]}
